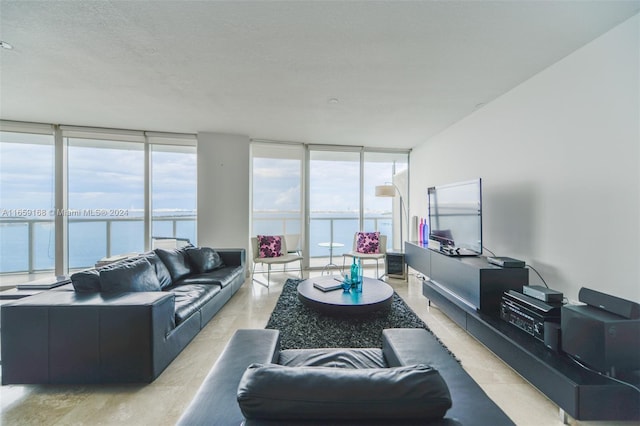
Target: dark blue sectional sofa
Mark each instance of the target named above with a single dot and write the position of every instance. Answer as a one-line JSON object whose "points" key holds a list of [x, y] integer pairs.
{"points": [[122, 323]]}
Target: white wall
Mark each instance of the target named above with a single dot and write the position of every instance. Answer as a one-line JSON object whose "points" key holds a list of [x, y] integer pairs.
{"points": [[223, 190], [559, 157]]}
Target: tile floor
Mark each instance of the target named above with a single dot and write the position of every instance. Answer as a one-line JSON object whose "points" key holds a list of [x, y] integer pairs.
{"points": [[163, 401]]}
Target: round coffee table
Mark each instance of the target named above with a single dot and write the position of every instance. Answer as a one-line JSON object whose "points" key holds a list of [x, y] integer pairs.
{"points": [[375, 295]]}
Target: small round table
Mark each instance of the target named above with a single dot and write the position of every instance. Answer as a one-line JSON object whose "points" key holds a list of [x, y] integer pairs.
{"points": [[375, 295], [331, 246]]}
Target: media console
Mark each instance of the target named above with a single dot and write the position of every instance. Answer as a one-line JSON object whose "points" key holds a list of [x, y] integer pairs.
{"points": [[582, 394]]}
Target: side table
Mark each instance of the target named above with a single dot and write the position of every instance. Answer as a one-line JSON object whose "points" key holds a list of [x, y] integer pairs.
{"points": [[395, 265], [34, 287], [331, 245], [16, 293]]}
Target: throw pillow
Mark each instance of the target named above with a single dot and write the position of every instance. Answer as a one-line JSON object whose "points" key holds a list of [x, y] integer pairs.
{"points": [[138, 275], [203, 259], [368, 242], [86, 281], [276, 392], [269, 245], [176, 262], [163, 274]]}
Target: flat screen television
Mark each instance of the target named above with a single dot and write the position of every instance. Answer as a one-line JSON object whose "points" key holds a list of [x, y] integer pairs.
{"points": [[455, 217]]}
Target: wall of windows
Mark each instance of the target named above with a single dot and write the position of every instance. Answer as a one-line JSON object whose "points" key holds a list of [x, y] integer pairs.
{"points": [[70, 196], [342, 196], [118, 190], [326, 194]]}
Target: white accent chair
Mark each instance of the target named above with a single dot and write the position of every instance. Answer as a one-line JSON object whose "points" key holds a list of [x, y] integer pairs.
{"points": [[284, 258], [367, 256], [293, 243]]}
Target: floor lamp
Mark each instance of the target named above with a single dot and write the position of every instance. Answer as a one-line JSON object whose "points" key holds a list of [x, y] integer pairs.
{"points": [[389, 189]]}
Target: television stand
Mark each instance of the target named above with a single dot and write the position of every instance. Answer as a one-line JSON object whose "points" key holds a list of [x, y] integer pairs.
{"points": [[581, 394]]}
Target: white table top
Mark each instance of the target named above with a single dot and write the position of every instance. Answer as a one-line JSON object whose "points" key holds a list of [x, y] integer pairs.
{"points": [[332, 245]]}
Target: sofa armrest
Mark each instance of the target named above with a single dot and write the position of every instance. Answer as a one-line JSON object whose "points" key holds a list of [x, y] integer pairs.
{"points": [[409, 346], [69, 337], [216, 402], [233, 257], [471, 405]]}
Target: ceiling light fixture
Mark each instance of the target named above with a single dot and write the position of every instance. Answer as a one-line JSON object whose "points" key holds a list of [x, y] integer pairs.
{"points": [[334, 100], [5, 45]]}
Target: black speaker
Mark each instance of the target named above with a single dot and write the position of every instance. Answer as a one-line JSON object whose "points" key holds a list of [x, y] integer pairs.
{"points": [[552, 335], [615, 305], [604, 341]]}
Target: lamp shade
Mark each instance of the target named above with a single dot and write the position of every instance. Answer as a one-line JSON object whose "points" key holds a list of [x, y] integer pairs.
{"points": [[385, 191]]}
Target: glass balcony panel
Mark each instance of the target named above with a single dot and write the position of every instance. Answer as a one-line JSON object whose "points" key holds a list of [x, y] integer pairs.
{"points": [[88, 243], [45, 246], [127, 236], [14, 249], [187, 229]]}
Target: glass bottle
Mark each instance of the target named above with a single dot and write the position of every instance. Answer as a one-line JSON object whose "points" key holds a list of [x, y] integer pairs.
{"points": [[355, 273]]}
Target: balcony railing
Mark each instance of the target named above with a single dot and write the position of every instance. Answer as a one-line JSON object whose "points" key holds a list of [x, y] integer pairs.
{"points": [[28, 243], [329, 229]]}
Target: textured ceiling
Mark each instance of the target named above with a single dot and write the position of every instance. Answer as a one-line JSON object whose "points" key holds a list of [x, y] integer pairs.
{"points": [[401, 71]]}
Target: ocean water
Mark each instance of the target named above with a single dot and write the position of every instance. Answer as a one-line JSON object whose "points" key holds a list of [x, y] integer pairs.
{"points": [[88, 239]]}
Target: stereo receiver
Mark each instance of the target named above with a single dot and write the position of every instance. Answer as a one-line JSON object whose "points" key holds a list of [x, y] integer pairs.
{"points": [[527, 313]]}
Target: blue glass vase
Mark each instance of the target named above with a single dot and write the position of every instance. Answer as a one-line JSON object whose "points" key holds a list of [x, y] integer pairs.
{"points": [[356, 279]]}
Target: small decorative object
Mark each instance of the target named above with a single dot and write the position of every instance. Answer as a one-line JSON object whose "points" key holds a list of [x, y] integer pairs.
{"points": [[346, 284]]}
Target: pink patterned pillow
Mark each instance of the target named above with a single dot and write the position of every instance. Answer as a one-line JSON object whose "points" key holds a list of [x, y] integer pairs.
{"points": [[368, 242], [269, 245]]}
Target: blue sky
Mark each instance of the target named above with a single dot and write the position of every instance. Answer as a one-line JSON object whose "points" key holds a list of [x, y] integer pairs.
{"points": [[334, 185], [114, 179], [98, 178]]}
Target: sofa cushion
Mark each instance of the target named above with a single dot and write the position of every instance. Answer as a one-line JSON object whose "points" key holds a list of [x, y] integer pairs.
{"points": [[222, 277], [86, 281], [276, 392], [138, 275], [339, 358], [190, 298], [176, 262], [203, 259], [163, 274]]}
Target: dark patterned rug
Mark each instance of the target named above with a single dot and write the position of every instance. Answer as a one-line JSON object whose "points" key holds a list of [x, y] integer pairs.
{"points": [[303, 328]]}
